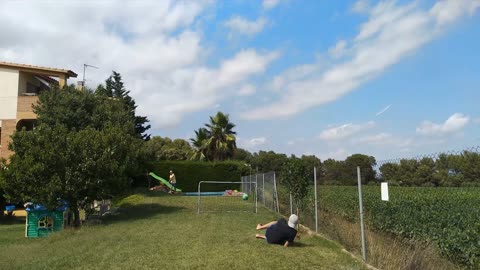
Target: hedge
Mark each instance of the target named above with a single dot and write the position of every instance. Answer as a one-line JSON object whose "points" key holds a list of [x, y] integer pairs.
{"points": [[190, 173]]}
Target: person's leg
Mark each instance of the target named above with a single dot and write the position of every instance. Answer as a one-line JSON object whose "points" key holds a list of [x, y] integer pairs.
{"points": [[260, 236], [261, 226]]}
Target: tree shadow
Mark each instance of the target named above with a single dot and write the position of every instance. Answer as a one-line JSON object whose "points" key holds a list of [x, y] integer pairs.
{"points": [[12, 220], [139, 211], [154, 193]]}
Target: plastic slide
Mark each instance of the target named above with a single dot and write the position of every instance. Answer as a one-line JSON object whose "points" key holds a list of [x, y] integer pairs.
{"points": [[163, 181]]}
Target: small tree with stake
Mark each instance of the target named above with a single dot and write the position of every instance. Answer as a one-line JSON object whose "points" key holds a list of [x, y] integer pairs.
{"points": [[295, 177]]}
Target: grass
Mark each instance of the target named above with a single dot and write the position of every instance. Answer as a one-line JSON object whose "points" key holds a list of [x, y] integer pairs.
{"points": [[156, 231]]}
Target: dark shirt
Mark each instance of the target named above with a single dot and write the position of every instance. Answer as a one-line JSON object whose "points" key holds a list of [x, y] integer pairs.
{"points": [[280, 232]]}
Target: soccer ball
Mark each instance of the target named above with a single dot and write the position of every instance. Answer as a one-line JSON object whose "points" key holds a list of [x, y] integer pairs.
{"points": [[245, 196]]}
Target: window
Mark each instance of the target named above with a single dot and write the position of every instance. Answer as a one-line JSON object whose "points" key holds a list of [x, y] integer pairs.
{"points": [[32, 89], [45, 222]]}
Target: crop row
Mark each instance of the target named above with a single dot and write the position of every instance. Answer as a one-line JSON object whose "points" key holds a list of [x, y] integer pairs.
{"points": [[448, 217]]}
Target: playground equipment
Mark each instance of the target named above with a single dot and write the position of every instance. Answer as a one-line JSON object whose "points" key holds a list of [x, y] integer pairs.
{"points": [[163, 181], [42, 222], [9, 209]]}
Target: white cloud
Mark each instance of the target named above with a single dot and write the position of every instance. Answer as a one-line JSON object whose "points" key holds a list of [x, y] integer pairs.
{"points": [[251, 144], [155, 45], [246, 90], [295, 73], [295, 141], [381, 138], [339, 154], [243, 26], [338, 50], [392, 33], [269, 4], [344, 131], [383, 110], [448, 11], [361, 6], [454, 123]]}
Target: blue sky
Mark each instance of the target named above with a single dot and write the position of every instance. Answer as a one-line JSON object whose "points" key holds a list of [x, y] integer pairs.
{"points": [[329, 78]]}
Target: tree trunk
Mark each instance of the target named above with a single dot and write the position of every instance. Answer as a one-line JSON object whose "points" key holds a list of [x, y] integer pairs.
{"points": [[2, 206], [76, 217]]}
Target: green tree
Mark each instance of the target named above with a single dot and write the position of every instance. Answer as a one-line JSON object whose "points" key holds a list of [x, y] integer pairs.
{"points": [[366, 164], [268, 161], [115, 88], [200, 145], [389, 173], [242, 155], [84, 148], [295, 177], [217, 141], [406, 172], [166, 149], [221, 142], [310, 162], [333, 171], [424, 173]]}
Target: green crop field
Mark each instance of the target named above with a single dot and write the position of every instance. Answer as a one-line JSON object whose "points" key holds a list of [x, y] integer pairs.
{"points": [[449, 217]]}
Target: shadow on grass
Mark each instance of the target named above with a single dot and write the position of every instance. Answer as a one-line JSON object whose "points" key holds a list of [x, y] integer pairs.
{"points": [[12, 220], [139, 211], [153, 193]]}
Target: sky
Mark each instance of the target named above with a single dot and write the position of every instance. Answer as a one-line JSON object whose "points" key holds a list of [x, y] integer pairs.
{"points": [[327, 78]]}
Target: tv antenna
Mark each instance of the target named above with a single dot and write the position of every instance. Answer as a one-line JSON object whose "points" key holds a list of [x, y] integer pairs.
{"points": [[84, 67]]}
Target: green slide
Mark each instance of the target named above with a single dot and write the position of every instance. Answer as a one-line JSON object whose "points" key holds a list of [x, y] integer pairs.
{"points": [[163, 181]]}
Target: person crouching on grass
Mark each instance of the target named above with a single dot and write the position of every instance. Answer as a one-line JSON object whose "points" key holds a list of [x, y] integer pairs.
{"points": [[173, 182], [279, 232]]}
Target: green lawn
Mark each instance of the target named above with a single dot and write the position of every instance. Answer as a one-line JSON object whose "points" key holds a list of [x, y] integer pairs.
{"points": [[164, 232]]}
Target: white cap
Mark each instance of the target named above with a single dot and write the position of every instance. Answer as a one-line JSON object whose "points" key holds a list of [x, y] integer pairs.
{"points": [[293, 221]]}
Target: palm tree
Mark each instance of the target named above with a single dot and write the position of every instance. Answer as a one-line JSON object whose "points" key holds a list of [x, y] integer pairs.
{"points": [[222, 141], [200, 144]]}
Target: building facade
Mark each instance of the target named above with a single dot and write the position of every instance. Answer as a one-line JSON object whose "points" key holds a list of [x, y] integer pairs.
{"points": [[19, 88]]}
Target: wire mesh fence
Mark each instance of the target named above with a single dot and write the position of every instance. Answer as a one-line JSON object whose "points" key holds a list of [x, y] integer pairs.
{"points": [[431, 215], [267, 189], [242, 197]]}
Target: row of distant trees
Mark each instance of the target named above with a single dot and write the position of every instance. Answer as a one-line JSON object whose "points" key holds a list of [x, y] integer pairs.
{"points": [[461, 169]]}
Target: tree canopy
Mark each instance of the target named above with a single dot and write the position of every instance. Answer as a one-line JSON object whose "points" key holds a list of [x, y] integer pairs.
{"points": [[215, 141], [114, 88], [164, 148]]}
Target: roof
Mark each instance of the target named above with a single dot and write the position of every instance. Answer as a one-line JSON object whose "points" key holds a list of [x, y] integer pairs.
{"points": [[42, 70]]}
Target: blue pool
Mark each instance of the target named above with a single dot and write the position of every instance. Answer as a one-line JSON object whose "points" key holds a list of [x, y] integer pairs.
{"points": [[212, 193]]}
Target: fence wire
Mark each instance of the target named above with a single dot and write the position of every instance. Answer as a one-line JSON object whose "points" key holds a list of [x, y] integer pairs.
{"points": [[267, 189]]}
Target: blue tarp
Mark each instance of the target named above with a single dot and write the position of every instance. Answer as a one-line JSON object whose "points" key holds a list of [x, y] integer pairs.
{"points": [[39, 207]]}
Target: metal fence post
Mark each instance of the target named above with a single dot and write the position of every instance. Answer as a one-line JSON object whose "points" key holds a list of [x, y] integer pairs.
{"points": [[263, 188], [316, 206], [291, 204], [362, 226], [275, 191], [256, 194], [250, 184]]}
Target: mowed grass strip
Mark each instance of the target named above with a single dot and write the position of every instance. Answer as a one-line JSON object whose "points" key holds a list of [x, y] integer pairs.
{"points": [[156, 231]]}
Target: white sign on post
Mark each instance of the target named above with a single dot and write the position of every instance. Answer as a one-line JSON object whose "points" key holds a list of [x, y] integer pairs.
{"points": [[384, 188]]}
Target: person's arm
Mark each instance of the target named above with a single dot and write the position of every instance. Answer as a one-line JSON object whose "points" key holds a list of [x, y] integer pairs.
{"points": [[286, 244]]}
